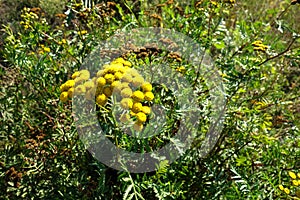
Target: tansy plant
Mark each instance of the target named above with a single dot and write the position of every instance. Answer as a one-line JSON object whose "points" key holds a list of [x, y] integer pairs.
{"points": [[130, 89], [292, 188], [259, 46]]}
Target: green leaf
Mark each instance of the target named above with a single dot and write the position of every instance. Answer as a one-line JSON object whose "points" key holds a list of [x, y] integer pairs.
{"points": [[240, 161], [128, 189], [220, 45]]}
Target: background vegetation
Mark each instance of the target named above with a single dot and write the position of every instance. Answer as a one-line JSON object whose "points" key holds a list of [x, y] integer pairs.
{"points": [[41, 46]]}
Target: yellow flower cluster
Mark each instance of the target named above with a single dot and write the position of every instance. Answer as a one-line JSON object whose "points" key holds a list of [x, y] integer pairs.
{"points": [[43, 49], [286, 190], [115, 78], [83, 32], [121, 79], [295, 182], [181, 69], [108, 79], [259, 46], [74, 85], [27, 17], [63, 41]]}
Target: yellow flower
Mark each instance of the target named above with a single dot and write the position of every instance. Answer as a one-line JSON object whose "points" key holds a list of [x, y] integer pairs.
{"points": [[121, 87], [89, 85], [101, 99], [115, 84], [75, 75], [63, 88], [84, 71], [70, 83], [259, 49], [295, 183], [146, 87], [281, 187], [132, 114], [124, 118], [126, 68], [257, 43], [79, 80], [122, 70], [126, 103], [118, 60], [67, 85], [298, 174], [80, 89], [146, 110], [111, 69], [149, 96], [106, 67], [292, 175], [141, 117], [137, 107], [127, 63], [107, 91], [133, 72], [100, 73], [127, 78], [101, 82], [118, 75], [85, 74], [259, 46], [286, 190], [138, 96], [181, 69], [138, 126], [70, 92], [64, 96], [126, 92], [83, 32], [109, 78], [137, 81], [46, 49], [115, 67]]}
